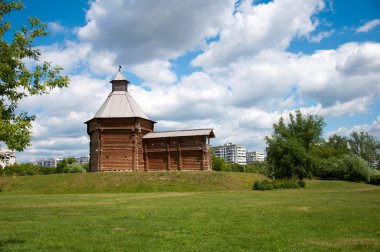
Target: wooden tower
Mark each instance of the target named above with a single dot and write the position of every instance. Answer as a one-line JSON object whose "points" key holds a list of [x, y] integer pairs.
{"points": [[122, 138], [116, 131]]}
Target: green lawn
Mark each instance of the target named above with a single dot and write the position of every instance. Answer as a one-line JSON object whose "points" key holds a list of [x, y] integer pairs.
{"points": [[326, 216]]}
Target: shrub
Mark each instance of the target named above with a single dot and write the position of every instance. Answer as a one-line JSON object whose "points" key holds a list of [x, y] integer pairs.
{"points": [[357, 168], [22, 169], [86, 167], [233, 167], [263, 185], [74, 168], [62, 165], [218, 164], [47, 170], [259, 167], [277, 184], [346, 167], [302, 183], [374, 180]]}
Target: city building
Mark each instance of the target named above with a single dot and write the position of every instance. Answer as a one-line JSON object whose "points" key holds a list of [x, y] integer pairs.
{"points": [[49, 162], [7, 157], [52, 162], [83, 160], [122, 138], [255, 156], [232, 153]]}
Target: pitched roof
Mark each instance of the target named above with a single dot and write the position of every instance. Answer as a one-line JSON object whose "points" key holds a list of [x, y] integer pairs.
{"points": [[119, 76], [180, 133], [120, 104]]}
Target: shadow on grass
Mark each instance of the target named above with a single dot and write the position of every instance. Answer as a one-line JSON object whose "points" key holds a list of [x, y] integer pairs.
{"points": [[5, 243]]}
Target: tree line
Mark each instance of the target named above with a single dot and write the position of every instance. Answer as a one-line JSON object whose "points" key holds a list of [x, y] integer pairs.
{"points": [[297, 150], [66, 165]]}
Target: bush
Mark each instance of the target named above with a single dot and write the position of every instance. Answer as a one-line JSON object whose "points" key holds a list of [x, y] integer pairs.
{"points": [[259, 167], [278, 184], [74, 168], [357, 168], [233, 167], [86, 167], [218, 164], [346, 167], [263, 185], [22, 169], [62, 165], [47, 170], [374, 180], [302, 183], [331, 168]]}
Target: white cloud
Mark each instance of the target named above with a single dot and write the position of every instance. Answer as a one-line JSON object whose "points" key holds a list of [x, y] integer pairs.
{"points": [[258, 27], [356, 106], [155, 72], [320, 36], [368, 26], [55, 27], [334, 75], [372, 128], [142, 31], [70, 56]]}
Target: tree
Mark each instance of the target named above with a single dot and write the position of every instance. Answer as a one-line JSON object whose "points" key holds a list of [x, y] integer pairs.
{"points": [[288, 147], [339, 143], [17, 80], [62, 164], [365, 146], [218, 163]]}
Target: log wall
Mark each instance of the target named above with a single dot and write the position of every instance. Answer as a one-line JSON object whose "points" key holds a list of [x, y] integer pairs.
{"points": [[118, 145]]}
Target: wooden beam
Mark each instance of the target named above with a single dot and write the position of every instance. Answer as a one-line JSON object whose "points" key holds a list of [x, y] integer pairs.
{"points": [[168, 154], [179, 155], [146, 158], [134, 153], [100, 151], [203, 154]]}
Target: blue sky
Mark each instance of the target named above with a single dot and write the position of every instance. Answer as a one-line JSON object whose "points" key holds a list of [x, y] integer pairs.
{"points": [[235, 67]]}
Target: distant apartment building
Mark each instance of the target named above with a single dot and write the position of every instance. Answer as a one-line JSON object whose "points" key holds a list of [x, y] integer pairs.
{"points": [[52, 162], [7, 157], [255, 156], [49, 162], [232, 153], [83, 160]]}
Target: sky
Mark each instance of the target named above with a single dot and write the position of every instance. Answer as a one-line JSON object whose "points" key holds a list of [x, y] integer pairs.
{"points": [[234, 66]]}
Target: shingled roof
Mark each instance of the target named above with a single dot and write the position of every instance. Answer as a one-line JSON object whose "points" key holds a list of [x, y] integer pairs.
{"points": [[180, 133], [119, 102]]}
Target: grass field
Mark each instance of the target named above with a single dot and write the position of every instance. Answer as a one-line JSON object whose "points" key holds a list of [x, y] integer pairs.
{"points": [[326, 216]]}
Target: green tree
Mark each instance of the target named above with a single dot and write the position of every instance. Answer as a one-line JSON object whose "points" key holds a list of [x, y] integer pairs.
{"points": [[17, 80], [339, 143], [218, 164], [288, 147], [74, 168], [365, 146], [64, 163]]}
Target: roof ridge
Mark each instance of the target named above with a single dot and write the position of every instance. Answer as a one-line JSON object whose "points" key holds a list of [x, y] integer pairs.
{"points": [[182, 130]]}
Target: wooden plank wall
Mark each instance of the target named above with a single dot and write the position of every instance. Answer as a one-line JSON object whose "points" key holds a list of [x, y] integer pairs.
{"points": [[94, 151], [117, 145], [181, 153]]}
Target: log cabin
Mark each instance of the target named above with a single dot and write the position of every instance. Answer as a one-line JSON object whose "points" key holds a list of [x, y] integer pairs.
{"points": [[122, 138]]}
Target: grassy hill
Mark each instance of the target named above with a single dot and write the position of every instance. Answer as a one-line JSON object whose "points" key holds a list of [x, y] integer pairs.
{"points": [[184, 181], [186, 211]]}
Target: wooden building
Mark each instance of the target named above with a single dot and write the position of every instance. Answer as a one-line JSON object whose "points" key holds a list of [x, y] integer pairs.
{"points": [[122, 138]]}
